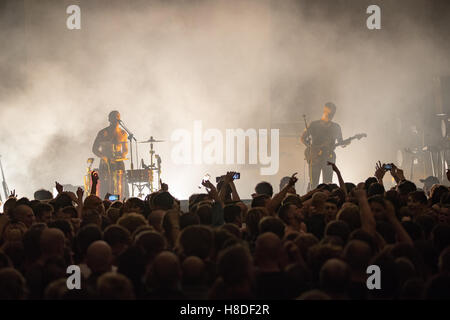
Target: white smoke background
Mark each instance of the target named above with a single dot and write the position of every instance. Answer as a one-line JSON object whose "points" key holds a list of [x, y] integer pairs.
{"points": [[165, 64]]}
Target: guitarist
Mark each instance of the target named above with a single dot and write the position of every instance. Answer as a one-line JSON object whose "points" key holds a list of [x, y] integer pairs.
{"points": [[320, 138]]}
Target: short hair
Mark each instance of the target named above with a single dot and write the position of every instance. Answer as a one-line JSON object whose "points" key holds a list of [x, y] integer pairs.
{"points": [[331, 106], [283, 212], [369, 181], [272, 224], [231, 213], [437, 194], [254, 216], [112, 115], [339, 229], [264, 188], [196, 241], [12, 285], [43, 195], [406, 187], [70, 210], [349, 186], [116, 234], [62, 225], [188, 219], [234, 265], [350, 215], [41, 208], [132, 203], [114, 286], [375, 189], [259, 201], [204, 213], [132, 221], [419, 196], [87, 235], [163, 200]]}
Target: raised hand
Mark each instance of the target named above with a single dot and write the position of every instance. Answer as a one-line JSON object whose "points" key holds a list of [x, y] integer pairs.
{"points": [[293, 180], [229, 177], [80, 193], [59, 187], [397, 173], [94, 176], [380, 171], [13, 194], [335, 168], [164, 186], [207, 184]]}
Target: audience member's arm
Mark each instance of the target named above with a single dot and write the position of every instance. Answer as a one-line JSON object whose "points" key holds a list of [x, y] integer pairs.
{"points": [[226, 181], [174, 219], [275, 202], [380, 171], [234, 193], [59, 188], [367, 219], [217, 215], [401, 233], [397, 174], [217, 208], [338, 173], [94, 178], [309, 195], [212, 191], [80, 193]]}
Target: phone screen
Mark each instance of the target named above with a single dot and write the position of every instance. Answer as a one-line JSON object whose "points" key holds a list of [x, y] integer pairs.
{"points": [[113, 197]]}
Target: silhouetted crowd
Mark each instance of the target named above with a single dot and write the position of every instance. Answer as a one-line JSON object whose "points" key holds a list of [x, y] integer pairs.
{"points": [[283, 245]]}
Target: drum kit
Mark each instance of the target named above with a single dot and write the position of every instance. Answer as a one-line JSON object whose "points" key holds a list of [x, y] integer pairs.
{"points": [[145, 176]]}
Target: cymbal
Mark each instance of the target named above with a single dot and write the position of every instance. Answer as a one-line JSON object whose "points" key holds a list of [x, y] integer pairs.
{"points": [[151, 140]]}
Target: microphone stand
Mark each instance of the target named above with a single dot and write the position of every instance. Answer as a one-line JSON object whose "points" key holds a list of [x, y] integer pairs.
{"points": [[131, 137]]}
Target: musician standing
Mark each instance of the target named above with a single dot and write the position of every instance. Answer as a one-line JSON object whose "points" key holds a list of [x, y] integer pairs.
{"points": [[111, 146], [321, 137]]}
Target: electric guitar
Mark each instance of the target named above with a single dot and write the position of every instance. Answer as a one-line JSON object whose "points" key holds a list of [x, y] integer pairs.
{"points": [[314, 154]]}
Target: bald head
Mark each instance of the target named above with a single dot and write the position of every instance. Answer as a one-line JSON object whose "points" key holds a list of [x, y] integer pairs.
{"points": [[52, 242], [24, 214], [166, 269], [114, 117], [99, 257], [268, 248], [193, 270]]}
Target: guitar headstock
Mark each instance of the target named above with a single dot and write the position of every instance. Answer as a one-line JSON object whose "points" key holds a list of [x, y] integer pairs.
{"points": [[359, 136]]}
